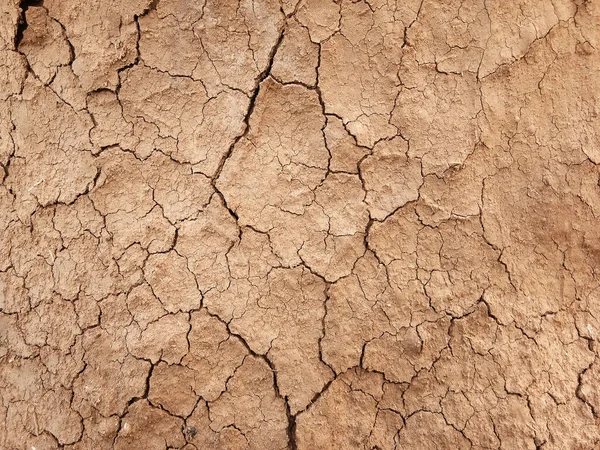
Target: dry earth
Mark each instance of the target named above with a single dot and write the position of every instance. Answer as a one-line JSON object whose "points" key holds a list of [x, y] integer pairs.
{"points": [[271, 224]]}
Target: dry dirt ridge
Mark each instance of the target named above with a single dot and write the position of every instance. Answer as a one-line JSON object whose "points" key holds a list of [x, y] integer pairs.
{"points": [[314, 224]]}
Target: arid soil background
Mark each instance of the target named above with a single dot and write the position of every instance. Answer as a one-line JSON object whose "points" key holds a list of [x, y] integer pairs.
{"points": [[313, 224]]}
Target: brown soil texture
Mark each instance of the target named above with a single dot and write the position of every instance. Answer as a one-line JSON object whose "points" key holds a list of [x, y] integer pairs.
{"points": [[300, 224]]}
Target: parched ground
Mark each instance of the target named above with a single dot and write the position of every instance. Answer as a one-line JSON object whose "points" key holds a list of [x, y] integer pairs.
{"points": [[314, 224]]}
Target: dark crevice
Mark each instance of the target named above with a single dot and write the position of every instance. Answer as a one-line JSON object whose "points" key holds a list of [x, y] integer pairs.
{"points": [[22, 25], [261, 77], [291, 430]]}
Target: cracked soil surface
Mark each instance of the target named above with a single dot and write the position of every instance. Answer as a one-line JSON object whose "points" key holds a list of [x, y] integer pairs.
{"points": [[313, 224]]}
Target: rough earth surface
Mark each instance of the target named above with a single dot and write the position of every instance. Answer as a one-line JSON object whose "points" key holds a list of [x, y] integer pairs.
{"points": [[300, 224]]}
